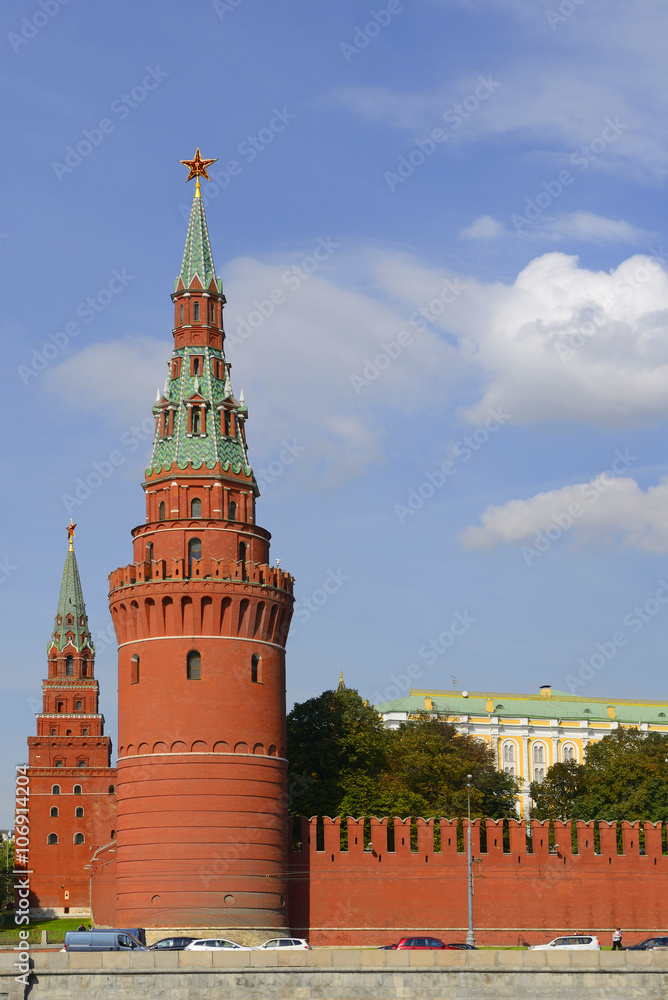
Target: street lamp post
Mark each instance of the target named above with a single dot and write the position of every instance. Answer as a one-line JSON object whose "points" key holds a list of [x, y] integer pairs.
{"points": [[470, 937]]}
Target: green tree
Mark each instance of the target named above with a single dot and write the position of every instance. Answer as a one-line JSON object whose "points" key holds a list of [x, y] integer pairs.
{"points": [[561, 794], [347, 764]]}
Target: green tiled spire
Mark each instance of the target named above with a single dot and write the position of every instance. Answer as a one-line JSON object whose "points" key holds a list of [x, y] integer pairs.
{"points": [[71, 614], [197, 257]]}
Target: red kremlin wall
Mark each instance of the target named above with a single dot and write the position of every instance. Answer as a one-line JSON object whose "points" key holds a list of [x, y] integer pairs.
{"points": [[373, 896]]}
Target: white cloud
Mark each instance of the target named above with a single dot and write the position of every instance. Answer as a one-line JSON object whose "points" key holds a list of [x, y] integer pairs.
{"points": [[483, 228], [586, 227], [606, 509]]}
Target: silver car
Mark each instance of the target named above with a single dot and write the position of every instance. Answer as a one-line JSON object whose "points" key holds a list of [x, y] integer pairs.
{"points": [[285, 944], [574, 942], [215, 944]]}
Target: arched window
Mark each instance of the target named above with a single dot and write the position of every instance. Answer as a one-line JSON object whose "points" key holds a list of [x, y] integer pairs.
{"points": [[76, 790], [196, 508], [55, 789], [569, 752], [538, 753], [242, 560], [61, 706], [54, 811], [134, 670], [78, 838], [194, 553], [59, 763], [539, 774], [232, 512], [68, 732], [84, 732], [81, 763], [212, 312], [194, 668], [255, 669], [52, 839], [78, 812], [53, 732], [79, 706], [161, 510], [149, 551], [196, 312], [69, 666], [509, 758], [194, 420]]}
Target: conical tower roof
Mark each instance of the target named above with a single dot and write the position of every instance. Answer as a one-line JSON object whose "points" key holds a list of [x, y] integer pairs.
{"points": [[197, 256], [71, 619]]}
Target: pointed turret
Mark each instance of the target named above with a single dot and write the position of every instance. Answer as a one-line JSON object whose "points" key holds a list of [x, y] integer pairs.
{"points": [[197, 256], [71, 623]]}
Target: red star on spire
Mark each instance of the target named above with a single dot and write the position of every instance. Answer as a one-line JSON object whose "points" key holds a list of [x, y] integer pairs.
{"points": [[197, 167]]}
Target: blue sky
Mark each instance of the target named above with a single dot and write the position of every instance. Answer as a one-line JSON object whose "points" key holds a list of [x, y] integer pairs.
{"points": [[484, 184]]}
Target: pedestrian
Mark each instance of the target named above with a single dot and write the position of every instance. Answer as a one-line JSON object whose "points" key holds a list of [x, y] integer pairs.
{"points": [[81, 927], [617, 939]]}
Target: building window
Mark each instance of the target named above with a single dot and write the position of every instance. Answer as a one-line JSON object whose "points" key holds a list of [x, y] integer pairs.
{"points": [[134, 670], [195, 363], [509, 758], [111, 789], [242, 560], [194, 420], [84, 732], [194, 553], [76, 790], [78, 812], [84, 669], [55, 790], [161, 510], [59, 763], [569, 752], [79, 706], [113, 835], [196, 312], [232, 511], [52, 838], [539, 774], [149, 552], [181, 312], [212, 312], [54, 811], [69, 666], [196, 508], [81, 763], [539, 753], [78, 838], [53, 732], [194, 668], [255, 669], [60, 706]]}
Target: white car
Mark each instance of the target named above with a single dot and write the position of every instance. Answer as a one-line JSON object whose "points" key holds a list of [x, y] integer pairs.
{"points": [[215, 944], [286, 944], [574, 942]]}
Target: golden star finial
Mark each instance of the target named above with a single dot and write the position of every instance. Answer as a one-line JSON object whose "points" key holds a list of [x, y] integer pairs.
{"points": [[197, 167], [70, 534]]}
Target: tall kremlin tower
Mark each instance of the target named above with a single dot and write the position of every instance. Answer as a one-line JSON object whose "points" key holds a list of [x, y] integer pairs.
{"points": [[72, 804], [201, 619]]}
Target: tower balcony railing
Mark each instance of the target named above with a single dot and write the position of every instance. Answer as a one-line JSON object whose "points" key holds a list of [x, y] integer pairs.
{"points": [[258, 574]]}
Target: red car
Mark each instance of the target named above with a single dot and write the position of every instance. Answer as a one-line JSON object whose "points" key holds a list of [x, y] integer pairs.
{"points": [[420, 944]]}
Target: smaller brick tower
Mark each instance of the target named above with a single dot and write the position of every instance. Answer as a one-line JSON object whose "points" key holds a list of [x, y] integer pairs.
{"points": [[72, 801]]}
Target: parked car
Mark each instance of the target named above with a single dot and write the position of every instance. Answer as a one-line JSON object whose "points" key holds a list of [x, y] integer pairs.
{"points": [[387, 947], [649, 944], [102, 941], [461, 947], [171, 944], [574, 942], [419, 943], [214, 944], [285, 943]]}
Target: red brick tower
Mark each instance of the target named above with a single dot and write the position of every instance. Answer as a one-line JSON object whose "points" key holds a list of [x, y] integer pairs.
{"points": [[201, 620], [72, 803]]}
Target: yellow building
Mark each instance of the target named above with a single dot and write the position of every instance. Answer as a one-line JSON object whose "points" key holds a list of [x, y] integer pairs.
{"points": [[528, 733]]}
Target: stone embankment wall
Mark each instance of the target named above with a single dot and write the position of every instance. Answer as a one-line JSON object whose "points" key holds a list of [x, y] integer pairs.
{"points": [[342, 975]]}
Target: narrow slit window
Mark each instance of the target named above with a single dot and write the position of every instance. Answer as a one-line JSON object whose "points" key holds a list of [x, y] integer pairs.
{"points": [[196, 312], [69, 666], [134, 670], [255, 669], [161, 510], [196, 508], [194, 666]]}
